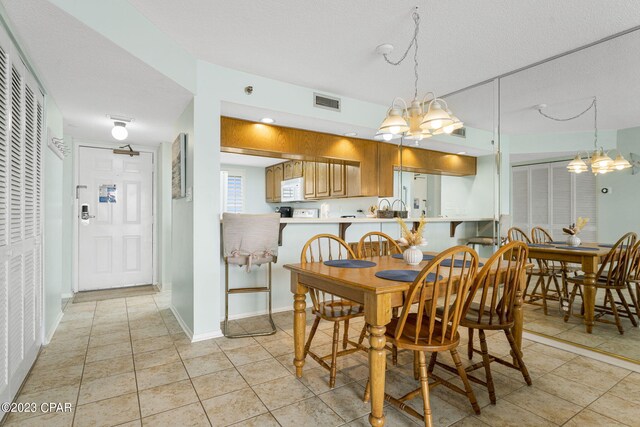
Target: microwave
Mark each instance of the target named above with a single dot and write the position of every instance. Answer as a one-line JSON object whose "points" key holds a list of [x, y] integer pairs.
{"points": [[292, 190]]}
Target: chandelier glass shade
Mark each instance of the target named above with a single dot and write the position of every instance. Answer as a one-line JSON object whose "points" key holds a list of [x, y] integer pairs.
{"points": [[422, 119]]}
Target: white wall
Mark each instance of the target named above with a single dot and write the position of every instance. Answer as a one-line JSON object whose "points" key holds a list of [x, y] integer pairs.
{"points": [[53, 211], [163, 215]]}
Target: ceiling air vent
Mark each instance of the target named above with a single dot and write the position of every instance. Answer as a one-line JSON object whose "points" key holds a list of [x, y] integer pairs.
{"points": [[461, 133], [328, 102]]}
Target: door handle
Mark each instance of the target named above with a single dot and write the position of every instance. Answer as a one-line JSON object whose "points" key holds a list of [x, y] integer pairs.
{"points": [[84, 213]]}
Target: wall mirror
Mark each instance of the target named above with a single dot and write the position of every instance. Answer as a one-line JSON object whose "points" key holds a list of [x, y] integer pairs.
{"points": [[545, 194]]}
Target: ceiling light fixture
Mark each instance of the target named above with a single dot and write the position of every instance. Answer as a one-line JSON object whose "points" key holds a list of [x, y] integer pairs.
{"points": [[423, 118], [461, 153], [267, 120], [119, 131], [351, 134], [600, 161]]}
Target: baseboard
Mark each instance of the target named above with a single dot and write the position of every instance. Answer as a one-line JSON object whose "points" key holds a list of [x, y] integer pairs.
{"points": [[49, 336], [67, 295], [582, 351], [257, 313], [181, 322], [207, 336]]}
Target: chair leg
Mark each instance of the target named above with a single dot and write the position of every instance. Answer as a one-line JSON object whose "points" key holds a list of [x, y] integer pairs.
{"points": [[470, 344], [416, 365], [312, 333], [367, 391], [424, 384], [543, 288], [334, 354], [572, 298], [432, 362], [623, 300], [614, 309], [363, 334], [487, 366], [463, 376], [518, 356], [345, 335]]}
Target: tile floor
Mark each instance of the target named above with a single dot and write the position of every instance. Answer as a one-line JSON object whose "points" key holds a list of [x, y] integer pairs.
{"points": [[605, 336], [126, 362]]}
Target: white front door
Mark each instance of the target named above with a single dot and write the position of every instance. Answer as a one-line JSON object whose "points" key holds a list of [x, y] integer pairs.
{"points": [[116, 242]]}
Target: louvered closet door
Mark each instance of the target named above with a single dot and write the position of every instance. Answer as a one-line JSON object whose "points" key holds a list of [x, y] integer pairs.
{"points": [[562, 200], [540, 190], [21, 135], [520, 197], [585, 204]]}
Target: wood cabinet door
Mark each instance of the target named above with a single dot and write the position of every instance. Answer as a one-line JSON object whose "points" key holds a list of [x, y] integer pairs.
{"points": [[298, 169], [269, 183], [323, 180], [309, 180], [288, 170], [352, 176], [337, 175], [278, 176]]}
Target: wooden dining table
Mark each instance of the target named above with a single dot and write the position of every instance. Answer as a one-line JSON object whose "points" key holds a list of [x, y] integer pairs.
{"points": [[590, 259], [378, 296]]}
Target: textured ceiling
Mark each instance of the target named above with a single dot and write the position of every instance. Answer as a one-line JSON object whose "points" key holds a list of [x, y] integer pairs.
{"points": [[329, 45], [90, 77]]}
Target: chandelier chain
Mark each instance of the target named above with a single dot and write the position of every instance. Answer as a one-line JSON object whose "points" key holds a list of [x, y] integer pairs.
{"points": [[594, 105], [413, 43]]}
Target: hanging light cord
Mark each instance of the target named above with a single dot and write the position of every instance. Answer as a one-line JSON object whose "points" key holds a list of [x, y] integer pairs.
{"points": [[594, 105], [414, 42]]}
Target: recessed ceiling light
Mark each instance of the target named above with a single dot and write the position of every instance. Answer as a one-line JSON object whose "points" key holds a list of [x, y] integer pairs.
{"points": [[267, 120], [461, 153], [351, 134]]}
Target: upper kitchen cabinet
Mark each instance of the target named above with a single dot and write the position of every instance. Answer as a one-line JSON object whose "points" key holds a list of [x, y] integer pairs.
{"points": [[309, 180], [273, 178], [293, 169], [337, 176]]}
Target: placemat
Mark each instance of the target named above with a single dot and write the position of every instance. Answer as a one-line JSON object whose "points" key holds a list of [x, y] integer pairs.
{"points": [[577, 248], [403, 275], [542, 245], [350, 263], [457, 263]]}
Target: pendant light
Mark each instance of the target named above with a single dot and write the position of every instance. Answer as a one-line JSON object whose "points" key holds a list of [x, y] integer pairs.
{"points": [[599, 160], [422, 119]]}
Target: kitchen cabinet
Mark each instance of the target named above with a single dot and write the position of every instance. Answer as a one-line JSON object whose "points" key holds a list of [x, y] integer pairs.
{"points": [[309, 180], [287, 170], [269, 185], [337, 175], [297, 169], [273, 177], [323, 180]]}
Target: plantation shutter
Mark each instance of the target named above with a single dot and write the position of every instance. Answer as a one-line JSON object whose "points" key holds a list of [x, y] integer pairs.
{"points": [[520, 196], [562, 200], [540, 195]]}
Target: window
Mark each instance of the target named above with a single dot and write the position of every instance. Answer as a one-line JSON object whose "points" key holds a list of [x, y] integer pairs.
{"points": [[232, 191]]}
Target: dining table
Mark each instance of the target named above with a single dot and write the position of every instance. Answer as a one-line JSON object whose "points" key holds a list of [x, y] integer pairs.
{"points": [[378, 296], [589, 256]]}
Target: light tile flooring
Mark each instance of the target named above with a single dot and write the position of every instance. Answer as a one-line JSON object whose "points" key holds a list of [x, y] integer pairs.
{"points": [[605, 336], [126, 362]]}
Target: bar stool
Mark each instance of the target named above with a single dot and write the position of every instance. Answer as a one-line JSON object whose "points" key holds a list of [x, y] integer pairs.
{"points": [[496, 241], [249, 240]]}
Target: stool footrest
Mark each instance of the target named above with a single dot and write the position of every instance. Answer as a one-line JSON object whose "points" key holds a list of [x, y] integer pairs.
{"points": [[248, 290]]}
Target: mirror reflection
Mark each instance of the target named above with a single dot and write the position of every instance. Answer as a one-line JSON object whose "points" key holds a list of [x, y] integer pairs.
{"points": [[573, 128]]}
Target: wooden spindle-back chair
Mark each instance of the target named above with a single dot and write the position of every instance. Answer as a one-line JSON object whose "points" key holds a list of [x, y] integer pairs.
{"points": [[516, 234], [490, 306], [612, 276], [633, 280], [437, 288], [548, 271], [326, 306]]}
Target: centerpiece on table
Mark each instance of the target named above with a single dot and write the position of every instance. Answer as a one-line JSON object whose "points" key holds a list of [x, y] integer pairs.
{"points": [[574, 229], [412, 255]]}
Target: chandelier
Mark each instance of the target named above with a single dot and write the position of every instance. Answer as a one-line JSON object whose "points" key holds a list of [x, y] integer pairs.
{"points": [[599, 159], [419, 119]]}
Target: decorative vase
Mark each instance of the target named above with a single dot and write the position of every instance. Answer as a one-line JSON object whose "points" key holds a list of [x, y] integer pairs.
{"points": [[412, 255], [573, 240]]}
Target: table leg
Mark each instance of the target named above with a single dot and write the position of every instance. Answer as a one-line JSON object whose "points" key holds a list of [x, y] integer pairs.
{"points": [[589, 266], [377, 314], [299, 322], [518, 315]]}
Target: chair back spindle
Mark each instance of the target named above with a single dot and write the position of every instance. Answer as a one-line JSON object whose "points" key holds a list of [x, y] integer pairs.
{"points": [[615, 268], [516, 234], [446, 292], [375, 244], [540, 235]]}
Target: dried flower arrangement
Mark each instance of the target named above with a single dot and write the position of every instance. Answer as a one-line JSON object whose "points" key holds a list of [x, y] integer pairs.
{"points": [[412, 238], [372, 210], [574, 229]]}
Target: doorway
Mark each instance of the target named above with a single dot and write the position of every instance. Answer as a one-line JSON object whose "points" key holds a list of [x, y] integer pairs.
{"points": [[115, 209]]}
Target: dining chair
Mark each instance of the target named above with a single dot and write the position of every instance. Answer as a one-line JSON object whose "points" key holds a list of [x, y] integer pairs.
{"points": [[442, 284], [374, 244], [633, 280], [554, 270], [611, 276], [326, 306], [490, 307]]}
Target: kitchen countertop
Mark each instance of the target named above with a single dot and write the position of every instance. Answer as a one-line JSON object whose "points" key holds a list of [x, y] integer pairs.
{"points": [[374, 220]]}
